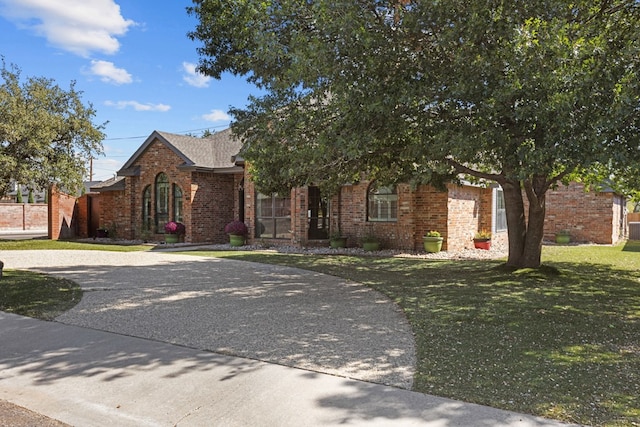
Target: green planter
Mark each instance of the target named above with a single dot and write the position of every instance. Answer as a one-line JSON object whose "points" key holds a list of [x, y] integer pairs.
{"points": [[171, 238], [338, 242], [236, 240], [371, 246], [563, 239], [432, 244]]}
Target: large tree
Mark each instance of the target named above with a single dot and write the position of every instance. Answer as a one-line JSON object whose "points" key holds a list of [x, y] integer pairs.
{"points": [[524, 93], [46, 133]]}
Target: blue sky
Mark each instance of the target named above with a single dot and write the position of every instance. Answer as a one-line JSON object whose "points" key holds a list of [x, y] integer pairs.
{"points": [[131, 58]]}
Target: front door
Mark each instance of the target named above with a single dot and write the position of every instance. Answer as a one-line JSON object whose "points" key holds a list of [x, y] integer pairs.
{"points": [[318, 215]]}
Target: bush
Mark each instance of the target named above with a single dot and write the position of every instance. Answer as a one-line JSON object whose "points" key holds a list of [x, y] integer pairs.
{"points": [[237, 228]]}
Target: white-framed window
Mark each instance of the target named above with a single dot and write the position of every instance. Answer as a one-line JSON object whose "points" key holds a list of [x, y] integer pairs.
{"points": [[499, 220], [382, 204]]}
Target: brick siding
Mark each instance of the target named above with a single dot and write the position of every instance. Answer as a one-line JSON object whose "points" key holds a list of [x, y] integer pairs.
{"points": [[209, 202], [590, 216], [23, 216], [62, 211], [457, 213]]}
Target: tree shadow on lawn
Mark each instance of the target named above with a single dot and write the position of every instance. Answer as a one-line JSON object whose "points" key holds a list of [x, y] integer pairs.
{"points": [[631, 246], [557, 345]]}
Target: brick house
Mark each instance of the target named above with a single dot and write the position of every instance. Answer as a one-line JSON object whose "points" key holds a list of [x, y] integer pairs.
{"points": [[202, 183], [174, 177]]}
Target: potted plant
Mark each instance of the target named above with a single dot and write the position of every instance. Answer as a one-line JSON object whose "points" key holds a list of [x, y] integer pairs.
{"points": [[237, 231], [482, 240], [173, 230], [432, 241], [370, 243], [337, 240], [563, 237]]}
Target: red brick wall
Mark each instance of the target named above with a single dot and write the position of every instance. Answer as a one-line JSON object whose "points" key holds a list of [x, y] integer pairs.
{"points": [[590, 216], [209, 200], [457, 213], [464, 208], [82, 216], [299, 221], [23, 216], [454, 213], [214, 204], [430, 210], [113, 215], [62, 224]]}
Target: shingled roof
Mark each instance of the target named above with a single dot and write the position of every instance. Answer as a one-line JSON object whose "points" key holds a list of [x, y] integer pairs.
{"points": [[214, 153]]}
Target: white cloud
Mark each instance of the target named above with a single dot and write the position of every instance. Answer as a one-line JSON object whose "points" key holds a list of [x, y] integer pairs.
{"points": [[194, 78], [78, 26], [109, 73], [138, 106], [216, 116]]}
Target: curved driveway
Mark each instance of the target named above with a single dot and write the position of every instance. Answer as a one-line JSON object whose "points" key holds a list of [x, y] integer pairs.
{"points": [[276, 314]]}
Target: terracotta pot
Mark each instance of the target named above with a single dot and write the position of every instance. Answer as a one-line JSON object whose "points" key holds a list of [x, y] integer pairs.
{"points": [[482, 244]]}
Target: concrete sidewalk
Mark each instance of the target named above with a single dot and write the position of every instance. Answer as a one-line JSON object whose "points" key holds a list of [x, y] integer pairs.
{"points": [[86, 377]]}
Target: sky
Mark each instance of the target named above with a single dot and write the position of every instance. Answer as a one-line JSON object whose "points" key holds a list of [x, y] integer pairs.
{"points": [[133, 62]]}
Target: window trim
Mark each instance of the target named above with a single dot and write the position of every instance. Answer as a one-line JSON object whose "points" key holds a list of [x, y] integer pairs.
{"points": [[375, 197], [161, 215], [498, 214], [147, 208], [260, 219], [178, 204]]}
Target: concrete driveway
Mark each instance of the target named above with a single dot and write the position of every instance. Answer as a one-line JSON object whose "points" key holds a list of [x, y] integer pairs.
{"points": [[270, 313]]}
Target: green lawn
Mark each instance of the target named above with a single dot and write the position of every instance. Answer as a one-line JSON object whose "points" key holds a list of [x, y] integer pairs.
{"points": [[562, 342], [37, 295], [16, 245]]}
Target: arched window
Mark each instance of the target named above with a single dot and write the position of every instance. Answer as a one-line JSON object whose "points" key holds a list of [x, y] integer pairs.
{"points": [[177, 203], [146, 209], [162, 201], [382, 203]]}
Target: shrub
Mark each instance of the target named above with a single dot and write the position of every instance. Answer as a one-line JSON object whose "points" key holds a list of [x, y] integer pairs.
{"points": [[173, 227], [237, 228]]}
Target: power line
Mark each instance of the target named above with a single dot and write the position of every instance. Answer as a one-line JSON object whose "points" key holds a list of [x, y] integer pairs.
{"points": [[180, 132]]}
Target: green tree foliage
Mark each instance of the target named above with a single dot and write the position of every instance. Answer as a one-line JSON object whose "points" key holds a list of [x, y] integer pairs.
{"points": [[46, 133], [525, 93], [19, 194]]}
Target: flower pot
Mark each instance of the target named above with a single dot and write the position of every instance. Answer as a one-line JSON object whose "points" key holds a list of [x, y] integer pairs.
{"points": [[371, 246], [171, 238], [338, 242], [482, 244], [432, 244], [563, 239], [236, 240]]}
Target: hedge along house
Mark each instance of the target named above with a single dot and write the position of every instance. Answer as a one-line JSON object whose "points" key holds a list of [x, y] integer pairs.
{"points": [[202, 183]]}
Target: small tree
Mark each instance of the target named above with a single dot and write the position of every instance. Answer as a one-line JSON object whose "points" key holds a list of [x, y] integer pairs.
{"points": [[19, 194]]}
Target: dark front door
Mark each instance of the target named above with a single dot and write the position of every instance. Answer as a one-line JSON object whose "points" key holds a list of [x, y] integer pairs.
{"points": [[318, 215]]}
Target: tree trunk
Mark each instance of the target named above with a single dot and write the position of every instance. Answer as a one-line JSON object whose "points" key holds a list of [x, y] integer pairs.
{"points": [[525, 234], [516, 223]]}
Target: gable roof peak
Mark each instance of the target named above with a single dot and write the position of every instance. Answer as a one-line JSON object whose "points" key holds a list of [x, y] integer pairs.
{"points": [[210, 153]]}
